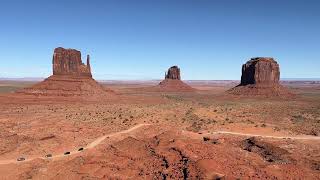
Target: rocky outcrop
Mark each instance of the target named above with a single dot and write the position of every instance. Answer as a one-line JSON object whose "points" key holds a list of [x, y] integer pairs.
{"points": [[260, 77], [260, 71], [173, 83], [70, 78], [173, 73], [68, 62]]}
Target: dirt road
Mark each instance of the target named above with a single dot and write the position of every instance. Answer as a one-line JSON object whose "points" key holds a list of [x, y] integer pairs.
{"points": [[116, 134]]}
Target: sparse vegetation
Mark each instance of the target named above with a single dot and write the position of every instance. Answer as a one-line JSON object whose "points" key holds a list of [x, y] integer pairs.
{"points": [[198, 113]]}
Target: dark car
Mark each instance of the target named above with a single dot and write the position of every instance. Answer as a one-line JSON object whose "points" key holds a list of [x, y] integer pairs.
{"points": [[21, 159]]}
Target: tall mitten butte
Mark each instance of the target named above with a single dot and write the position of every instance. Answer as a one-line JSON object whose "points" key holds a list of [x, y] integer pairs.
{"points": [[68, 62]]}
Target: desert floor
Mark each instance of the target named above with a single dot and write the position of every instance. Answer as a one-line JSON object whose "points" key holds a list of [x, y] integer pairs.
{"points": [[140, 134]]}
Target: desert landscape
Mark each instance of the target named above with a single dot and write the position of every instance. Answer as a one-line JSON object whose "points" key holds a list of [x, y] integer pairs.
{"points": [[160, 90], [70, 126]]}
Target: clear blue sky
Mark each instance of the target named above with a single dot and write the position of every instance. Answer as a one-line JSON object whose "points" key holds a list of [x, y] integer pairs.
{"points": [[140, 39]]}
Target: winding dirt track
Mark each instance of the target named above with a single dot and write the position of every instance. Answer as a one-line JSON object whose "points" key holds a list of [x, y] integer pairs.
{"points": [[116, 134], [266, 136], [89, 146]]}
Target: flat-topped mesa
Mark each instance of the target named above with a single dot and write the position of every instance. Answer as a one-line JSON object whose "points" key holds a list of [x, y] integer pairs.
{"points": [[68, 62], [173, 73], [260, 77], [260, 71]]}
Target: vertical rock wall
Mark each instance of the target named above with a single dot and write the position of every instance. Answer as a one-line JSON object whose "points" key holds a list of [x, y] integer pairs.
{"points": [[173, 73], [68, 62], [260, 70]]}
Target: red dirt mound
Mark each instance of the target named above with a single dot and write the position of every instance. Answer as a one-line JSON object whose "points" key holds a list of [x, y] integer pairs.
{"points": [[174, 85], [66, 86], [261, 91]]}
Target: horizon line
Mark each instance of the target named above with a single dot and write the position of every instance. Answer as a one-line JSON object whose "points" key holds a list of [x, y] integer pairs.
{"points": [[151, 79]]}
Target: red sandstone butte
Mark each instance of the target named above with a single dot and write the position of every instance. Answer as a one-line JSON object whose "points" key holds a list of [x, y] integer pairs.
{"points": [[70, 77], [260, 77], [264, 71], [173, 73], [68, 62], [172, 81]]}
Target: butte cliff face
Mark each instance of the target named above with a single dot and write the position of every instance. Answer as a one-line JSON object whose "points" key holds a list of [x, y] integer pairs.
{"points": [[173, 73], [70, 77], [68, 62], [264, 71], [260, 77], [172, 81]]}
